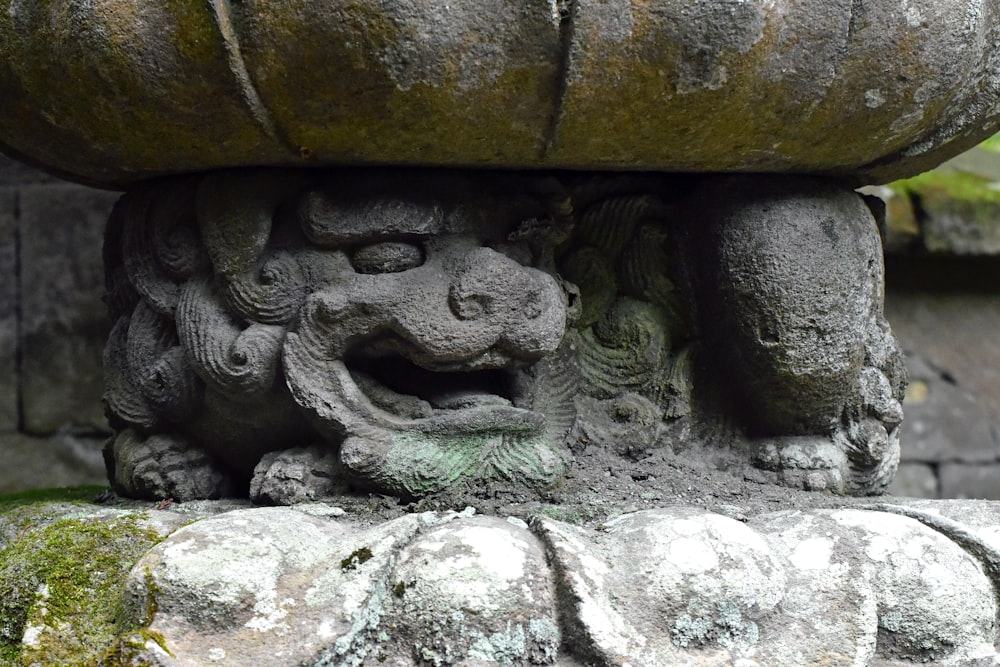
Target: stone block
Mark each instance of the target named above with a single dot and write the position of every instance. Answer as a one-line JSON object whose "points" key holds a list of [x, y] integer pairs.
{"points": [[952, 333], [29, 463], [915, 480], [13, 172], [944, 420], [8, 309], [964, 480], [64, 325]]}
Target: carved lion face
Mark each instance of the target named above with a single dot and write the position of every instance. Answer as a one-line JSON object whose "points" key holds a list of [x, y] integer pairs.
{"points": [[408, 328]]}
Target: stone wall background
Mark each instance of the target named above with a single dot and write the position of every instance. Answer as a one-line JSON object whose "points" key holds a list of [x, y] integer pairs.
{"points": [[943, 302], [52, 327]]}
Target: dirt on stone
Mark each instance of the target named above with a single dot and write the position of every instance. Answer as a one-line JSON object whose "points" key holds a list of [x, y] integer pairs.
{"points": [[599, 486]]}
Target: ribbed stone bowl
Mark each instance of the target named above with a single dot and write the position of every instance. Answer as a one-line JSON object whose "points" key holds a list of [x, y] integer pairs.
{"points": [[115, 91]]}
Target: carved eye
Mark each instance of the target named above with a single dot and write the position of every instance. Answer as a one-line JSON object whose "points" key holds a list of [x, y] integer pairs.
{"points": [[387, 257]]}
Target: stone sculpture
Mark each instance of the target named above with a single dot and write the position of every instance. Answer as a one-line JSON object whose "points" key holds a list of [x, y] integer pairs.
{"points": [[289, 332], [376, 323]]}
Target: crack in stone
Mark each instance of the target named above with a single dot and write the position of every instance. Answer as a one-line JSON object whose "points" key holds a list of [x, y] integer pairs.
{"points": [[566, 10], [222, 11]]}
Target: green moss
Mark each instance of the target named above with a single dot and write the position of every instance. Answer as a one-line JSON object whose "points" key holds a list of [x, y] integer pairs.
{"points": [[9, 654], [67, 494], [992, 144], [66, 578], [357, 558], [129, 650], [958, 186]]}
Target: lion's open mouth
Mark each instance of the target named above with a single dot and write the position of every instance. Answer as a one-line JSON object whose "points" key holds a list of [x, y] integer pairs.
{"points": [[400, 387]]}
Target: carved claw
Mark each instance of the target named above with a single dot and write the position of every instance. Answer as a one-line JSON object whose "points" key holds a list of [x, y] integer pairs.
{"points": [[164, 466], [295, 475]]}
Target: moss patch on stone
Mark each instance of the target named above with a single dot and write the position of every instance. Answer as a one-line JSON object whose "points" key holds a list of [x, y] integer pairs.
{"points": [[60, 588], [67, 494], [958, 186]]}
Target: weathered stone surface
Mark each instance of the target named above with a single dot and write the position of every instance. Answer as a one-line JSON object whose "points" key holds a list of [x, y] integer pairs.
{"points": [[8, 310], [947, 328], [664, 587], [62, 567], [64, 459], [915, 480], [305, 584], [711, 85], [828, 612], [945, 421], [901, 583], [790, 288], [63, 321], [474, 591]]}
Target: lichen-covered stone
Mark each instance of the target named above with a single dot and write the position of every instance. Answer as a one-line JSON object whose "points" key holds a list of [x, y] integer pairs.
{"points": [[231, 587], [673, 586], [908, 582], [476, 590], [61, 572], [711, 85]]}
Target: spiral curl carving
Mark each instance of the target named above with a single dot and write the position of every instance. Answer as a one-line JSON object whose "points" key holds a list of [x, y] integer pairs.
{"points": [[271, 291], [233, 358]]}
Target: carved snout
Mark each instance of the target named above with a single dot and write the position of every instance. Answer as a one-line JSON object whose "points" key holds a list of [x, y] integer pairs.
{"points": [[524, 306], [463, 309]]}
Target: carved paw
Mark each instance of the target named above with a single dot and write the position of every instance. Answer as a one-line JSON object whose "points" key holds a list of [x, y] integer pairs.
{"points": [[872, 453], [810, 462], [413, 465], [295, 475], [164, 466]]}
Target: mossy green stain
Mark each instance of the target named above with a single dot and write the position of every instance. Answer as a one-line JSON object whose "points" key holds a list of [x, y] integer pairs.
{"points": [[356, 558], [66, 494], [955, 186], [83, 563]]}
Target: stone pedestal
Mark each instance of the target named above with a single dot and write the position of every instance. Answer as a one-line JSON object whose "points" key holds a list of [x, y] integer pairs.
{"points": [[636, 377]]}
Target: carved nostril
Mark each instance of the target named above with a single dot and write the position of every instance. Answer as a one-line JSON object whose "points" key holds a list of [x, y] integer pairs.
{"points": [[467, 306]]}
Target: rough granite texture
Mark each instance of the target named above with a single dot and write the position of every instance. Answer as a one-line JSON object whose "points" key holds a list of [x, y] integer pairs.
{"points": [[678, 85], [812, 581]]}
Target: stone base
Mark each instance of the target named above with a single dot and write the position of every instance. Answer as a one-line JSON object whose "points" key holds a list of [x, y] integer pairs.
{"points": [[898, 582]]}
